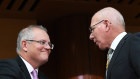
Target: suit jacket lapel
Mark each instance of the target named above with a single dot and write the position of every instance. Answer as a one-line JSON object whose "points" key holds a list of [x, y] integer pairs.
{"points": [[41, 75], [23, 68], [116, 52]]}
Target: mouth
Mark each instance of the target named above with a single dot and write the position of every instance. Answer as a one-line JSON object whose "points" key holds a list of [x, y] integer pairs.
{"points": [[96, 43], [48, 52]]}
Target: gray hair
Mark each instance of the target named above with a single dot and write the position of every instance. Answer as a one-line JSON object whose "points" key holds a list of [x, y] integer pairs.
{"points": [[27, 34]]}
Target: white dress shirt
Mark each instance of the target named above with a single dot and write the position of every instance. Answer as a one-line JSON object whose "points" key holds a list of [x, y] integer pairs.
{"points": [[29, 67], [115, 44]]}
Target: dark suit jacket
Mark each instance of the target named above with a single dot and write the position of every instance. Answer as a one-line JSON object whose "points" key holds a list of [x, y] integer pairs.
{"points": [[125, 62], [15, 69]]}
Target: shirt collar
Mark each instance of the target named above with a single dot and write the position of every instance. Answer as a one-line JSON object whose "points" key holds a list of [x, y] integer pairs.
{"points": [[29, 66], [117, 40]]}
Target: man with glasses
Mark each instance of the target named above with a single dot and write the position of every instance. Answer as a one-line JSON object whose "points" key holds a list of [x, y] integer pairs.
{"points": [[33, 49], [108, 32]]}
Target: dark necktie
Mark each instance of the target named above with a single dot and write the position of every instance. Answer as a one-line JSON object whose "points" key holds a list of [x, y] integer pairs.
{"points": [[109, 52]]}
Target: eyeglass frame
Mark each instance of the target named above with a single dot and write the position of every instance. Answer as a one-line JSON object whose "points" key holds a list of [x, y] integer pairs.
{"points": [[43, 43], [91, 29]]}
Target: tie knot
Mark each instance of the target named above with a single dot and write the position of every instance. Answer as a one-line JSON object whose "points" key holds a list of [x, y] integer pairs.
{"points": [[34, 74], [110, 51]]}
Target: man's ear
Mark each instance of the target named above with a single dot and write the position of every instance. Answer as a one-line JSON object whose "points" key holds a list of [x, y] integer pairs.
{"points": [[107, 23], [24, 45]]}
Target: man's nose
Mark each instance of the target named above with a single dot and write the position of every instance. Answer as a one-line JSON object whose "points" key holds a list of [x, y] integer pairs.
{"points": [[91, 37], [47, 47]]}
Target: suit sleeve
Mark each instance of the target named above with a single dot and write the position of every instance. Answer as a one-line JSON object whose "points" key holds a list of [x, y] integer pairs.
{"points": [[8, 70], [134, 54]]}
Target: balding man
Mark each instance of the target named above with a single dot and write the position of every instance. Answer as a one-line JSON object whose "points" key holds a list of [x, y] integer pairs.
{"points": [[108, 32]]}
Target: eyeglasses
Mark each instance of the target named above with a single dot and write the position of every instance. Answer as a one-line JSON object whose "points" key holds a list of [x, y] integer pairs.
{"points": [[92, 29], [43, 43]]}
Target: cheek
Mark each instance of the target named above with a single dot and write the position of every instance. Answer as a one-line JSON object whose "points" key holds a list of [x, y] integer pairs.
{"points": [[100, 37], [101, 33], [103, 43], [36, 51], [44, 52], [44, 56], [39, 48]]}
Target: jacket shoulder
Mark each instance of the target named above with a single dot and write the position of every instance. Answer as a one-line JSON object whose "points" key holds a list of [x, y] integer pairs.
{"points": [[9, 68]]}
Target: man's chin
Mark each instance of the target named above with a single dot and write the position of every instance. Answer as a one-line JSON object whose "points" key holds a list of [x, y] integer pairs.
{"points": [[102, 48]]}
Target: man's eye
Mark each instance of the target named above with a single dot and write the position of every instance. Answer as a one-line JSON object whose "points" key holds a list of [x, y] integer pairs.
{"points": [[42, 42]]}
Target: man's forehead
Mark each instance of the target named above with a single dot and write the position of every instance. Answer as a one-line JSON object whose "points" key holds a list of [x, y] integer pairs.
{"points": [[93, 21]]}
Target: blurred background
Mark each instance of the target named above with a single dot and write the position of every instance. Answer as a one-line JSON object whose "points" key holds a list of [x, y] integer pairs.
{"points": [[67, 21]]}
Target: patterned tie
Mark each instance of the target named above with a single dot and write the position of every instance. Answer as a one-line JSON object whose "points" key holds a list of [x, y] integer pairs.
{"points": [[109, 52], [34, 74]]}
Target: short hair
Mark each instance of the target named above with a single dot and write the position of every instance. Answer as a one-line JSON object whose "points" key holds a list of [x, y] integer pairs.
{"points": [[27, 34]]}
